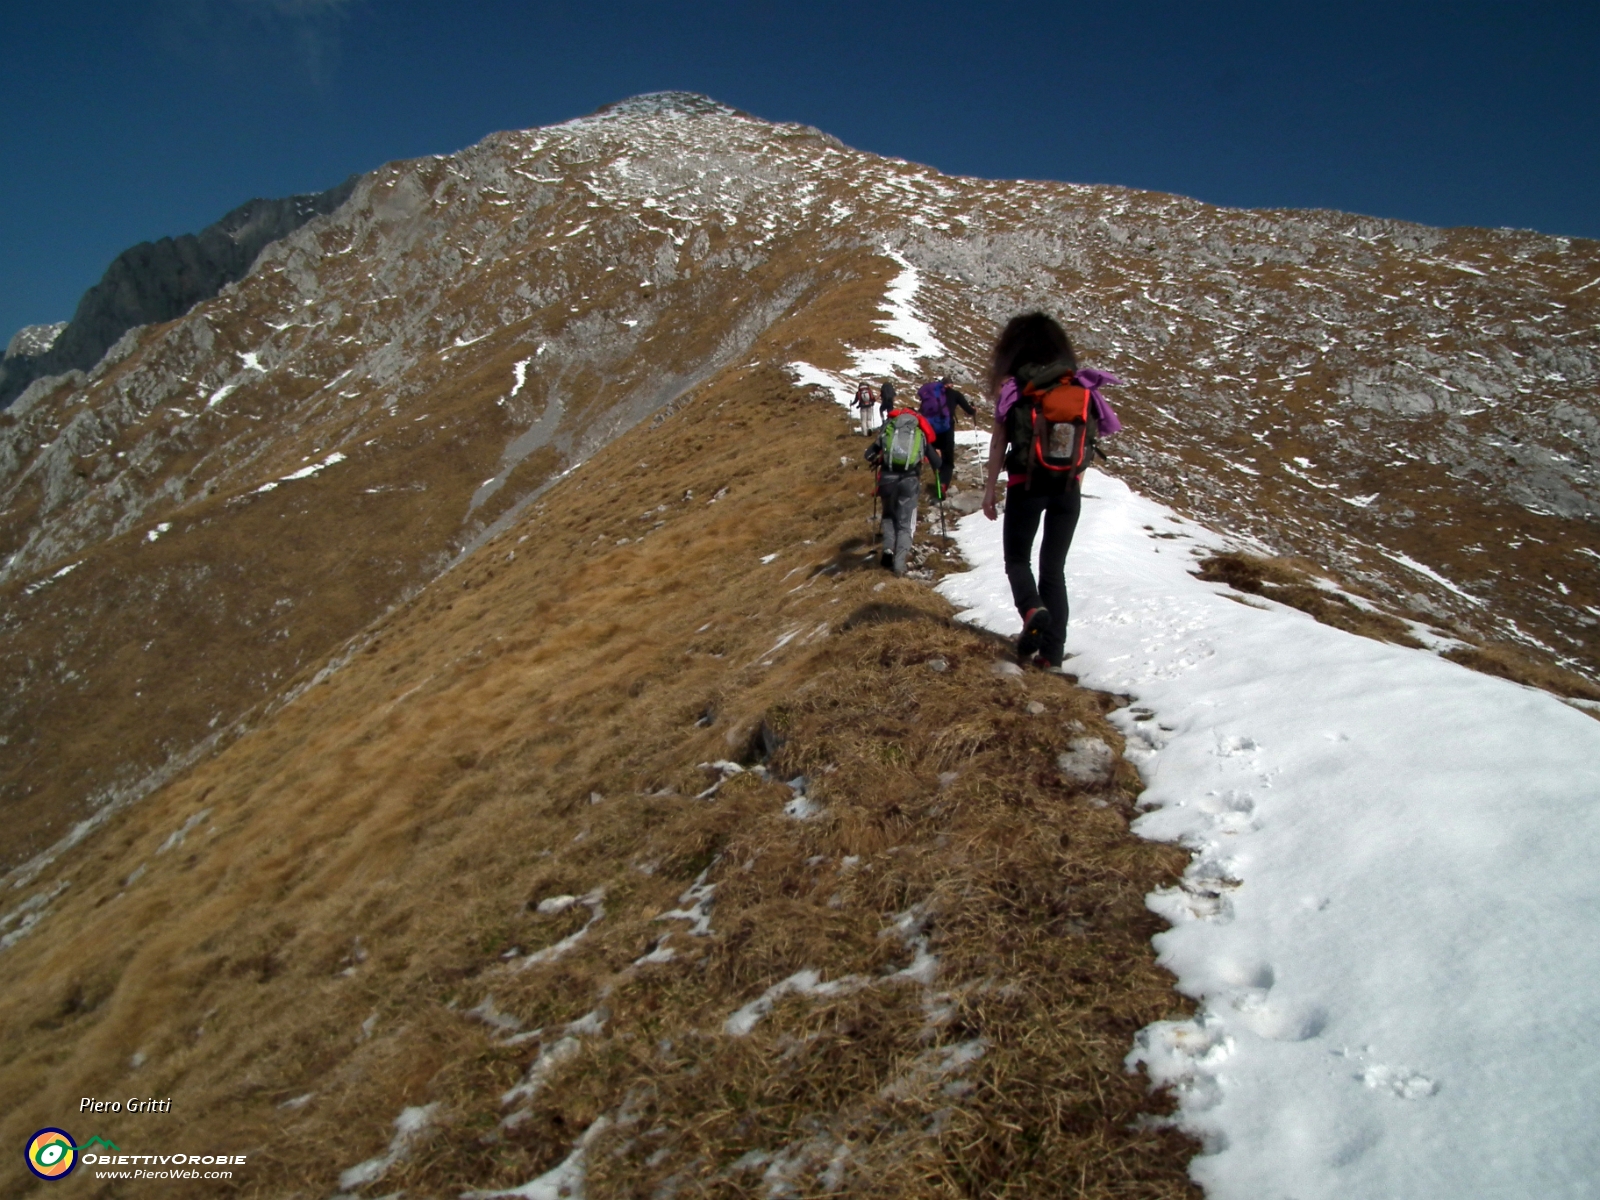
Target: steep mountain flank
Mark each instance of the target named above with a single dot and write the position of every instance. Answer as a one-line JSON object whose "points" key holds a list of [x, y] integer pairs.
{"points": [[157, 281]]}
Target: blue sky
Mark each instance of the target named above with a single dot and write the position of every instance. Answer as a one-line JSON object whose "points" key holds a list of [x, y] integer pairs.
{"points": [[121, 122]]}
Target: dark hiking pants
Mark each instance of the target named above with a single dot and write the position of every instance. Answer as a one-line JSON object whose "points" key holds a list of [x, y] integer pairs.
{"points": [[1024, 511], [899, 492], [945, 444]]}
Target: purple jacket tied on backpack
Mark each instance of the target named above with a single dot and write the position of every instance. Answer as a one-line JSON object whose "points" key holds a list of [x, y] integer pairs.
{"points": [[1087, 377]]}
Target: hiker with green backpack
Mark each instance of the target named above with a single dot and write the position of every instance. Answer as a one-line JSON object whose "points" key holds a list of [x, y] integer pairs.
{"points": [[1048, 418], [905, 443]]}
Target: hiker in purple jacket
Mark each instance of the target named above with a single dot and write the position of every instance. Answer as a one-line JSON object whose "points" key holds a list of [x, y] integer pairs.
{"points": [[1031, 354], [937, 401]]}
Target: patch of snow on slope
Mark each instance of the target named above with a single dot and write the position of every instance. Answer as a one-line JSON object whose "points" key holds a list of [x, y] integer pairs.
{"points": [[315, 468], [564, 1181], [560, 1050], [555, 905], [62, 573], [408, 1126], [836, 385], [801, 983], [222, 393], [906, 326], [1429, 573], [908, 926], [1390, 917], [918, 343], [519, 371], [699, 897]]}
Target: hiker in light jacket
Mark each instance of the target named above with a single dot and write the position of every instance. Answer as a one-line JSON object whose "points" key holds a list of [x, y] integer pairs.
{"points": [[866, 402], [1033, 352], [938, 402], [905, 444]]}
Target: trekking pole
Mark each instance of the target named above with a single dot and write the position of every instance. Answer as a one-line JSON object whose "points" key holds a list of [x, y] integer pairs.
{"points": [[877, 521]]}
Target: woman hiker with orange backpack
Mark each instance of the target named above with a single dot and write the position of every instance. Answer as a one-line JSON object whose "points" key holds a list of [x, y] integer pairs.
{"points": [[1047, 416]]}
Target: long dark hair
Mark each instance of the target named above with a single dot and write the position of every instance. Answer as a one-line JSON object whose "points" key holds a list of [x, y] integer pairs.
{"points": [[1032, 339]]}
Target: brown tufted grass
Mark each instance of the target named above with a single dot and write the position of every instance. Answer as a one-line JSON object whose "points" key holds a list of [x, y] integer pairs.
{"points": [[372, 860]]}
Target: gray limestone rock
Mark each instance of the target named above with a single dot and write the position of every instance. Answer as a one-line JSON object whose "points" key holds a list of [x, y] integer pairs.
{"points": [[1086, 760], [33, 340]]}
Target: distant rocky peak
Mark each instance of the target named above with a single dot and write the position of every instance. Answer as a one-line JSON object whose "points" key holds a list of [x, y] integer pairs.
{"points": [[158, 281], [33, 340]]}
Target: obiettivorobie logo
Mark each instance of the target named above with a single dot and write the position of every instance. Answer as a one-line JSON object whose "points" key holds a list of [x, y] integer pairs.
{"points": [[52, 1154]]}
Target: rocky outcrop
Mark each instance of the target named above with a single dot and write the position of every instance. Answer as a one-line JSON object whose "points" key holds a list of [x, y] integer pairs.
{"points": [[158, 281], [33, 340]]}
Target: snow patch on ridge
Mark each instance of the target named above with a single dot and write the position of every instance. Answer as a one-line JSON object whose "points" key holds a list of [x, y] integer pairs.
{"points": [[1389, 916], [904, 323]]}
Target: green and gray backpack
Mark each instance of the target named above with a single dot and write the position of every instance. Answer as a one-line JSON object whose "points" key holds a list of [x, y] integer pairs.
{"points": [[903, 443]]}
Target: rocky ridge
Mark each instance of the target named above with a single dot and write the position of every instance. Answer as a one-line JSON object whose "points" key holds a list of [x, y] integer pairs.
{"points": [[156, 281], [225, 498]]}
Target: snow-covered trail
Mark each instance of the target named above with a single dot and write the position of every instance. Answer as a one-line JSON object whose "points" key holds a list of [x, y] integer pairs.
{"points": [[1392, 916], [902, 321]]}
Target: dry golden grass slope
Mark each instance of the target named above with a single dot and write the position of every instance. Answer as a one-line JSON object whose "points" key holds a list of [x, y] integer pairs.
{"points": [[476, 873]]}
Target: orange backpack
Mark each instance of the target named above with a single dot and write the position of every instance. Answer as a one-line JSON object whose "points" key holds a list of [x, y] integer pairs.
{"points": [[1062, 427]]}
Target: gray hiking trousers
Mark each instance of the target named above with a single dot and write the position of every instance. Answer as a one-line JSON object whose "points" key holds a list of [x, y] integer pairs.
{"points": [[900, 493]]}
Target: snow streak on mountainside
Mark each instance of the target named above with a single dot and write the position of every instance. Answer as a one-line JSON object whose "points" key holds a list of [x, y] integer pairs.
{"points": [[1411, 406]]}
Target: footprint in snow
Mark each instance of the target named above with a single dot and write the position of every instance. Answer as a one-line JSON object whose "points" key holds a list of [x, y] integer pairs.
{"points": [[1231, 810], [1277, 1021], [1401, 1081], [1249, 993]]}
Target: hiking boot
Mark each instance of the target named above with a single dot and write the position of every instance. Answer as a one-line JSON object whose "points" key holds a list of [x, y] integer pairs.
{"points": [[1034, 626], [886, 561]]}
